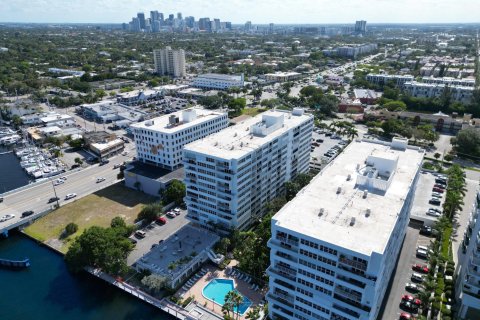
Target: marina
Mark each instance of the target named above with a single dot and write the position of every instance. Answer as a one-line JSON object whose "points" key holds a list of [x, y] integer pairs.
{"points": [[9, 137], [38, 163], [15, 264]]}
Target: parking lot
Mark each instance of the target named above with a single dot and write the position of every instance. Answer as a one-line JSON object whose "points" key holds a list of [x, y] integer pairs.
{"points": [[317, 157], [155, 233], [403, 273], [423, 194]]}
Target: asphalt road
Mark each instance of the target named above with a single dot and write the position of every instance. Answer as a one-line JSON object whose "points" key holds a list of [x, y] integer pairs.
{"points": [[80, 182]]}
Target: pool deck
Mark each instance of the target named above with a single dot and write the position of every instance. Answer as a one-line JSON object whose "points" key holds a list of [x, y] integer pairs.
{"points": [[212, 273]]}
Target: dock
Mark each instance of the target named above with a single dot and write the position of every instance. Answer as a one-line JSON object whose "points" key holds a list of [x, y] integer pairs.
{"points": [[15, 264]]}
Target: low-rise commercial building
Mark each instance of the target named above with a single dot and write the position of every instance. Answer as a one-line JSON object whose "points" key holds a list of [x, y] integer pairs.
{"points": [[218, 81], [138, 96], [160, 141], [103, 144], [334, 247], [230, 176], [282, 76], [58, 120]]}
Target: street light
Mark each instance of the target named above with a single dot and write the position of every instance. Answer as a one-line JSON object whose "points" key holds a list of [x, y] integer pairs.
{"points": [[55, 192]]}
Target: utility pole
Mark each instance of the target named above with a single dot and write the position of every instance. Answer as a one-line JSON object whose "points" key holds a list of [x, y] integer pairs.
{"points": [[55, 192]]}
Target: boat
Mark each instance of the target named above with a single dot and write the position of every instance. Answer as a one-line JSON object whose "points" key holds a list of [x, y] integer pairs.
{"points": [[16, 264]]}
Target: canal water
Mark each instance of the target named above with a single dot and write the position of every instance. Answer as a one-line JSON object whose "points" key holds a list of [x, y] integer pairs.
{"points": [[46, 290]]}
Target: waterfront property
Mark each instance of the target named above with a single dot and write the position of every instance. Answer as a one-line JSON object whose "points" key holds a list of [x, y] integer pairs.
{"points": [[210, 287], [334, 246], [179, 256], [230, 176]]}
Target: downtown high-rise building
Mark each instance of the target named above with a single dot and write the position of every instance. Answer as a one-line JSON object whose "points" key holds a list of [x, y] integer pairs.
{"points": [[361, 26], [170, 62], [141, 19]]}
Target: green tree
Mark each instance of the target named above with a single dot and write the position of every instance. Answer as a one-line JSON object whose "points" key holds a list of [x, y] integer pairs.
{"points": [[236, 106], [71, 228], [154, 283], [437, 155], [78, 160], [467, 142], [150, 212], [98, 247], [175, 192], [224, 245], [118, 222], [76, 143], [396, 106]]}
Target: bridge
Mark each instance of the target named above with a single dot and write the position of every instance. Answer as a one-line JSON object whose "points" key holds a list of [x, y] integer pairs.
{"points": [[36, 196]]}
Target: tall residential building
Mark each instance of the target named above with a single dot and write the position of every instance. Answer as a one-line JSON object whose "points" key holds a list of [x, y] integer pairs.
{"points": [[160, 141], [154, 15], [141, 19], [218, 27], [361, 26], [230, 176], [204, 24], [218, 81], [248, 26], [170, 62], [179, 16], [270, 28], [335, 245], [468, 279], [190, 22]]}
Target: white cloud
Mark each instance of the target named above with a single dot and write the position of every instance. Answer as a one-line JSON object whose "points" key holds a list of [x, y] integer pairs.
{"points": [[239, 11]]}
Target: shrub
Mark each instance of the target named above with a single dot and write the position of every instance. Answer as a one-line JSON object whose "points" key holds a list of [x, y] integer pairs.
{"points": [[71, 228], [187, 301]]}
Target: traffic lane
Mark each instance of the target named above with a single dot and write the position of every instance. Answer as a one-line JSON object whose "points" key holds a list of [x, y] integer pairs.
{"points": [[401, 276], [155, 234]]}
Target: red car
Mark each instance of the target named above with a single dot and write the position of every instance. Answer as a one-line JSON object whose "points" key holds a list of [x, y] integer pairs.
{"points": [[420, 268], [406, 316], [161, 220], [439, 186], [407, 297], [418, 302], [438, 190]]}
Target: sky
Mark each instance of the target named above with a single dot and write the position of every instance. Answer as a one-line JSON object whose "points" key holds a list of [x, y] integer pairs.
{"points": [[240, 11]]}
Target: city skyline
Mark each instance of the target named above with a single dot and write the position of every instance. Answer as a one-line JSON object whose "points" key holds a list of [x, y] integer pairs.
{"points": [[239, 11]]}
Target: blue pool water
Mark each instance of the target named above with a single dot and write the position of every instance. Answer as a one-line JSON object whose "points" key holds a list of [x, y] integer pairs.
{"points": [[217, 289]]}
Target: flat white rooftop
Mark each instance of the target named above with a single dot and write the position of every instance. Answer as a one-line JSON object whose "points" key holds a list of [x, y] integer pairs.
{"points": [[236, 141], [369, 234], [162, 124]]}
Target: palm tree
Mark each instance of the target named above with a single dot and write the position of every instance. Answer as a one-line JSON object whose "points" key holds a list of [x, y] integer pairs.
{"points": [[352, 133], [235, 300], [253, 314]]}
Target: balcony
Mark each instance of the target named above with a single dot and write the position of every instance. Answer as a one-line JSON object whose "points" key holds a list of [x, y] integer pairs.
{"points": [[351, 281], [355, 264], [285, 297], [349, 295], [286, 240], [286, 256], [279, 273]]}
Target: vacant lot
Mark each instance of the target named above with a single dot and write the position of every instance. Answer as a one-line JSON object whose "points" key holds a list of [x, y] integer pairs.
{"points": [[97, 209], [252, 111]]}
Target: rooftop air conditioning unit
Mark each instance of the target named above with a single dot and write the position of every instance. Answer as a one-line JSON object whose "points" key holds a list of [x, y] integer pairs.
{"points": [[320, 213], [339, 189], [352, 221], [349, 177], [365, 194], [367, 212]]}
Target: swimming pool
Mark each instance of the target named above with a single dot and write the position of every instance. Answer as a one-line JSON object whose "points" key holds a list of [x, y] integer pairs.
{"points": [[217, 289]]}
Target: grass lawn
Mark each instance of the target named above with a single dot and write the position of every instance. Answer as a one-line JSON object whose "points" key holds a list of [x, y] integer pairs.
{"points": [[97, 209], [252, 111]]}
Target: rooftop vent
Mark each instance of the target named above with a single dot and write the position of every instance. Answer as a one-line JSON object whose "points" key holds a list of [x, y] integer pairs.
{"points": [[235, 134], [232, 147], [339, 189], [216, 143], [365, 194], [349, 177], [352, 221], [241, 144], [367, 212], [320, 213]]}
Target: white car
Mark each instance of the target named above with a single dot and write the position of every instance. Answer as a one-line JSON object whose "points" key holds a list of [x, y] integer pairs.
{"points": [[70, 196], [7, 217], [433, 214], [58, 182], [100, 180], [170, 214], [63, 178], [177, 211], [124, 153]]}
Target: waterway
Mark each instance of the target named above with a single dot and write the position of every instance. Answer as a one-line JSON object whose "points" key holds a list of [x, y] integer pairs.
{"points": [[46, 290]]}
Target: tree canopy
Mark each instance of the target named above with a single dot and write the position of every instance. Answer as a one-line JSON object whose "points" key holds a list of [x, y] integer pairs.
{"points": [[175, 192]]}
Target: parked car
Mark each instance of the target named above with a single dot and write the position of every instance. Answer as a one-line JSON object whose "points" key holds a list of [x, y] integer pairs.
{"points": [[319, 140], [53, 199], [422, 254], [436, 194], [433, 214], [409, 306], [124, 153], [116, 166], [27, 213], [417, 277], [406, 316], [7, 217], [438, 190], [70, 196], [434, 201], [177, 211], [412, 287], [140, 234], [104, 161], [439, 186], [407, 297], [132, 240], [420, 268], [161, 220], [170, 214], [436, 210]]}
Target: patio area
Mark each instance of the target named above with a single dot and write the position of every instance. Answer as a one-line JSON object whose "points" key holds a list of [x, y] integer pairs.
{"points": [[242, 283]]}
